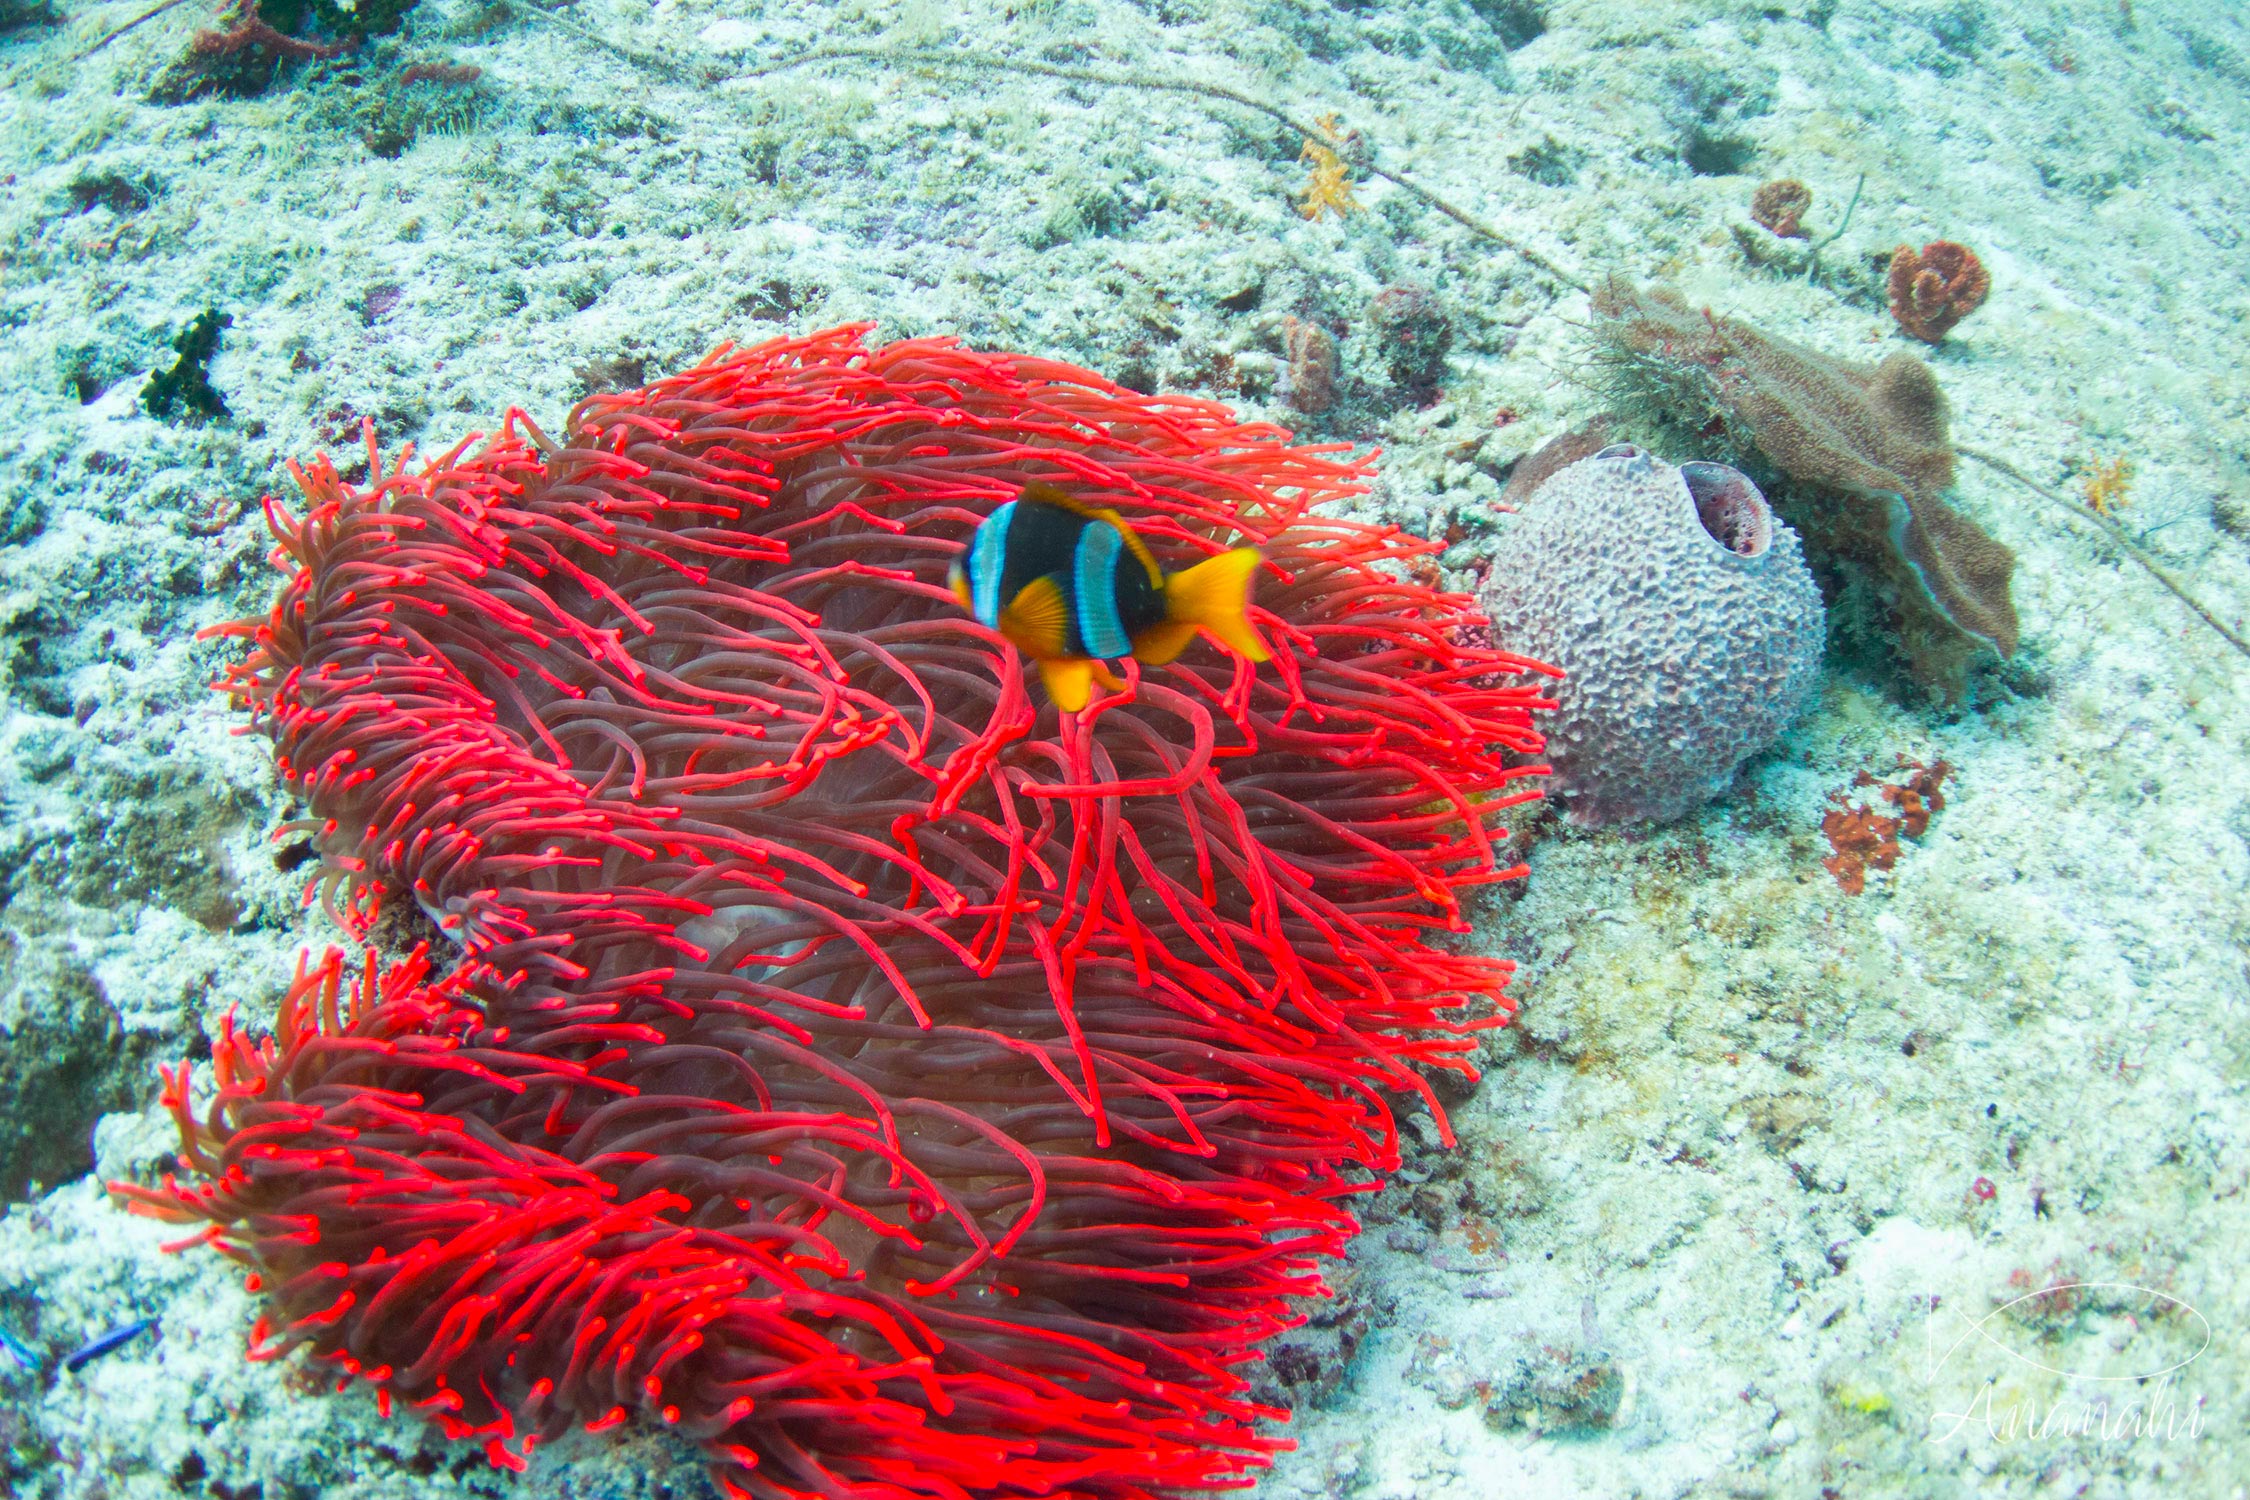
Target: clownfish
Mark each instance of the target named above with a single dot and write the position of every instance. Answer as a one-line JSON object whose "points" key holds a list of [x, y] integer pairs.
{"points": [[1075, 587]]}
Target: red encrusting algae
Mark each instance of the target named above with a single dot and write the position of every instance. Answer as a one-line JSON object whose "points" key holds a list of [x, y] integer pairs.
{"points": [[900, 1088]]}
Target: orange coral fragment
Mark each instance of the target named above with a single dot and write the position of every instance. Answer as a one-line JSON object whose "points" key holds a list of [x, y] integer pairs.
{"points": [[1330, 188], [1933, 290], [2107, 483], [1917, 797], [1863, 839]]}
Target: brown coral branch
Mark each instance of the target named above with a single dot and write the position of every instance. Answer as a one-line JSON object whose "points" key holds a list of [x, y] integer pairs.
{"points": [[2115, 533], [112, 35], [931, 57], [248, 29]]}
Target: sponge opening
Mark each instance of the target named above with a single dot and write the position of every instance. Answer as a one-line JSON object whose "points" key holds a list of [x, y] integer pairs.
{"points": [[1732, 511]]}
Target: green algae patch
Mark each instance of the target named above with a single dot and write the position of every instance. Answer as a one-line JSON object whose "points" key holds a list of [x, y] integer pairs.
{"points": [[188, 382]]}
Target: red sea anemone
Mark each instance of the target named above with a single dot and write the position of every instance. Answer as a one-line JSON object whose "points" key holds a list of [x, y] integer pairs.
{"points": [[838, 1055]]}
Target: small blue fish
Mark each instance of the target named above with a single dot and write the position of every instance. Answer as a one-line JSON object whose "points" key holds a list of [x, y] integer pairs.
{"points": [[1074, 586], [116, 1338], [21, 1352]]}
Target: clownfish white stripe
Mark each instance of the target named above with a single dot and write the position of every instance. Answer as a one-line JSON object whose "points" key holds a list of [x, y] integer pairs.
{"points": [[988, 554], [1094, 580]]}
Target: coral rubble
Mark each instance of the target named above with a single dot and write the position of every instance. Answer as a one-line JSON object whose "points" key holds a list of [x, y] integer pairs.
{"points": [[1781, 205], [1861, 839], [188, 382], [1414, 331], [1308, 372]]}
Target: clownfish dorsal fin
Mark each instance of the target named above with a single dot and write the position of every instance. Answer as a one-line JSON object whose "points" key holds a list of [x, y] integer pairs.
{"points": [[1042, 493], [1038, 619]]}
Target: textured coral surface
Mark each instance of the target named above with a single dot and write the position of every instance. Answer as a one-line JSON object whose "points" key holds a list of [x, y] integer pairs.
{"points": [[832, 1053], [1685, 655], [1867, 449], [1935, 288], [1781, 205]]}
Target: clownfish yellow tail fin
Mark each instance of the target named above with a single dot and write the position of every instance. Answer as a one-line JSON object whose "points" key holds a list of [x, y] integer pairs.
{"points": [[1213, 595]]}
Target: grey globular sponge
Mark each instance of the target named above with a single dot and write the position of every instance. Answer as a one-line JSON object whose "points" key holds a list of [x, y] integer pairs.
{"points": [[1683, 613]]}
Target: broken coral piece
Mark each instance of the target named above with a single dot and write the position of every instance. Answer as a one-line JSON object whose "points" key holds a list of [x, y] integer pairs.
{"points": [[1780, 206], [1937, 288], [188, 382], [1309, 371], [1330, 188], [2106, 484], [1865, 450], [1861, 839]]}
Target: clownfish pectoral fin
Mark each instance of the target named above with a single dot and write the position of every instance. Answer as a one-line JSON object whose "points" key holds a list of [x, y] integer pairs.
{"points": [[1038, 619], [957, 579], [1070, 682], [1213, 595]]}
